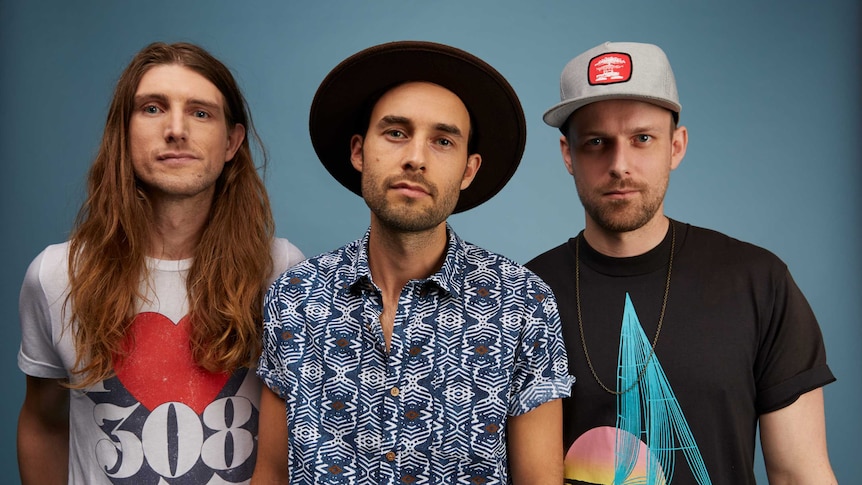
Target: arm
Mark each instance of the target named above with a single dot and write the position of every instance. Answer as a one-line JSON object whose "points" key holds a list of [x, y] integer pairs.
{"points": [[535, 445], [43, 433], [271, 467], [794, 442]]}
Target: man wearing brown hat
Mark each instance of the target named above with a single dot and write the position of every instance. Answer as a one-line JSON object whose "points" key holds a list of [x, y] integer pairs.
{"points": [[683, 339], [410, 355]]}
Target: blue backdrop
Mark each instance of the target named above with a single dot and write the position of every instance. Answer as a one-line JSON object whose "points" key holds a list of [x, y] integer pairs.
{"points": [[770, 93]]}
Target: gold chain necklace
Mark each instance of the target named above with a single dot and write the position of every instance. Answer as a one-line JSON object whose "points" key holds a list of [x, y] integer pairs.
{"points": [[660, 318]]}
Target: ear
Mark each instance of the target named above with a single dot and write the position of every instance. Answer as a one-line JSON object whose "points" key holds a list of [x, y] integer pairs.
{"points": [[474, 161], [356, 152], [679, 143], [235, 137], [567, 154]]}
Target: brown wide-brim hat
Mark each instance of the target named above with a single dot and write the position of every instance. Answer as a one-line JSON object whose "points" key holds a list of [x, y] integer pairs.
{"points": [[341, 106]]}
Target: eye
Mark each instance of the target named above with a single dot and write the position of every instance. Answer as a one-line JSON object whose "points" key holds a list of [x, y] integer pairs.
{"points": [[395, 134], [643, 138], [201, 114], [151, 109], [444, 142], [594, 142]]}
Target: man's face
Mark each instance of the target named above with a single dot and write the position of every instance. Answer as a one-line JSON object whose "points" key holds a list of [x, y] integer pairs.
{"points": [[620, 153], [178, 136], [413, 158]]}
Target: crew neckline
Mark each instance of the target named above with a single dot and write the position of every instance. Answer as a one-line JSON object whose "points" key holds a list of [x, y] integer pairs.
{"points": [[653, 260]]}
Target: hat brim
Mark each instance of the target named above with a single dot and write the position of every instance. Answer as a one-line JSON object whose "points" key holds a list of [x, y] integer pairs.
{"points": [[558, 114], [500, 130]]}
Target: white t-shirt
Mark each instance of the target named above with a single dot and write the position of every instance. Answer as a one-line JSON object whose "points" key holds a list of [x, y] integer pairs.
{"points": [[161, 418]]}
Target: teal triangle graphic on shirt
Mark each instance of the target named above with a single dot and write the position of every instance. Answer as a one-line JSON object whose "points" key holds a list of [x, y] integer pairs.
{"points": [[649, 410]]}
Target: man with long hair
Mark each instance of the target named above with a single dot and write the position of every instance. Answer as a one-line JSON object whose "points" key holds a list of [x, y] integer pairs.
{"points": [[139, 332]]}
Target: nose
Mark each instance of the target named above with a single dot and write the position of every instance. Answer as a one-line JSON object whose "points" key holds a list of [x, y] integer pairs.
{"points": [[620, 161], [176, 126], [415, 155]]}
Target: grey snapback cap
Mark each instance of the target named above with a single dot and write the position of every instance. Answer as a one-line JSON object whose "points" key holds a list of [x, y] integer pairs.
{"points": [[615, 70]]}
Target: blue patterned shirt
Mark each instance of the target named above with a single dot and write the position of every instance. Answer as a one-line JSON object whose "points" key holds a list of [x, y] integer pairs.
{"points": [[476, 342]]}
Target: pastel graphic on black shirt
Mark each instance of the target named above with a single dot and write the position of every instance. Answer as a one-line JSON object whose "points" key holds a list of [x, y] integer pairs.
{"points": [[650, 429]]}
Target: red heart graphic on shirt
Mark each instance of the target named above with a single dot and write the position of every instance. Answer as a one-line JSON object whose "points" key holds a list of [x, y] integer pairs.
{"points": [[160, 367]]}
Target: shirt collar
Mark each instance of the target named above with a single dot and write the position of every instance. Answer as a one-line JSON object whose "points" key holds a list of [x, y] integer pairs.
{"points": [[449, 278]]}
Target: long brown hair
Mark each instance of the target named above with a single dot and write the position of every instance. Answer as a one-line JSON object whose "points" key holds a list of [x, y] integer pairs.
{"points": [[108, 245]]}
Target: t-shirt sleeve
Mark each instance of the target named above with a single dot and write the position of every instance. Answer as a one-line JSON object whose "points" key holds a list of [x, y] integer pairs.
{"points": [[283, 335], [541, 367], [792, 360], [37, 355], [276, 318]]}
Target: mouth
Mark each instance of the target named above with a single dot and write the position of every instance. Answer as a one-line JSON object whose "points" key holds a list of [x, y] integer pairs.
{"points": [[410, 189], [621, 192], [176, 157], [620, 195]]}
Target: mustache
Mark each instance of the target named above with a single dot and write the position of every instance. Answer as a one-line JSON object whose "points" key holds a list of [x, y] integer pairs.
{"points": [[412, 178], [623, 184]]}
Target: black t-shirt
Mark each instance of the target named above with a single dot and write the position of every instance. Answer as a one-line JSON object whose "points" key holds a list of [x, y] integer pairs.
{"points": [[738, 340]]}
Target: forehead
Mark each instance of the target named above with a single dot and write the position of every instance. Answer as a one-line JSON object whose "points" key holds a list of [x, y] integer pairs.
{"points": [[423, 101], [620, 113], [174, 80]]}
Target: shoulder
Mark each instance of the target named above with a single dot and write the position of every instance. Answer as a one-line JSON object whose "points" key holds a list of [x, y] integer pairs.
{"points": [[51, 266], [478, 257], [47, 277], [481, 263], [284, 255], [320, 269], [727, 250], [54, 254], [551, 260]]}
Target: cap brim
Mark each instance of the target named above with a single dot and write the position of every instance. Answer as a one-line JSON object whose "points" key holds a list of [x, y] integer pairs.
{"points": [[558, 114], [500, 130]]}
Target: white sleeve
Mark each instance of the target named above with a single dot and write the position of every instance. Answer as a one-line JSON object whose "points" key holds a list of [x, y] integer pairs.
{"points": [[284, 255], [38, 308]]}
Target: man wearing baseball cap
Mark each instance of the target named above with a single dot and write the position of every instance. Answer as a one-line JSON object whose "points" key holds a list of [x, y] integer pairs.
{"points": [[683, 339], [410, 355]]}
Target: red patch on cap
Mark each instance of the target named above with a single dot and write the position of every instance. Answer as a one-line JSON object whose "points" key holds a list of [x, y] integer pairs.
{"points": [[610, 68]]}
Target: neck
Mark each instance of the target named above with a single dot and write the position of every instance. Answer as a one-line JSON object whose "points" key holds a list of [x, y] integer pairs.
{"points": [[628, 243], [177, 228], [645, 366], [396, 257]]}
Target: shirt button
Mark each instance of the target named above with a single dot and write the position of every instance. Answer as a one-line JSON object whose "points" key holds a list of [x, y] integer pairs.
{"points": [[394, 392], [390, 456]]}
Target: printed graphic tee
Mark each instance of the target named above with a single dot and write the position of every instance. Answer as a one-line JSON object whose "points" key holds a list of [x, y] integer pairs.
{"points": [[738, 340], [161, 419]]}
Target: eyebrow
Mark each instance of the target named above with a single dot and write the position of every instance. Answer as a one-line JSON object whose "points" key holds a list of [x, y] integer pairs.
{"points": [[649, 128], [447, 128], [591, 133], [161, 98], [390, 120]]}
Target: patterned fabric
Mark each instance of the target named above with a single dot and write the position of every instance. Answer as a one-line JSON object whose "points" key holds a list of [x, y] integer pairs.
{"points": [[476, 342]]}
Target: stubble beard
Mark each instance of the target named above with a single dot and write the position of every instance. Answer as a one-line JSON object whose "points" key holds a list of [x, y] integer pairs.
{"points": [[623, 215], [406, 215]]}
